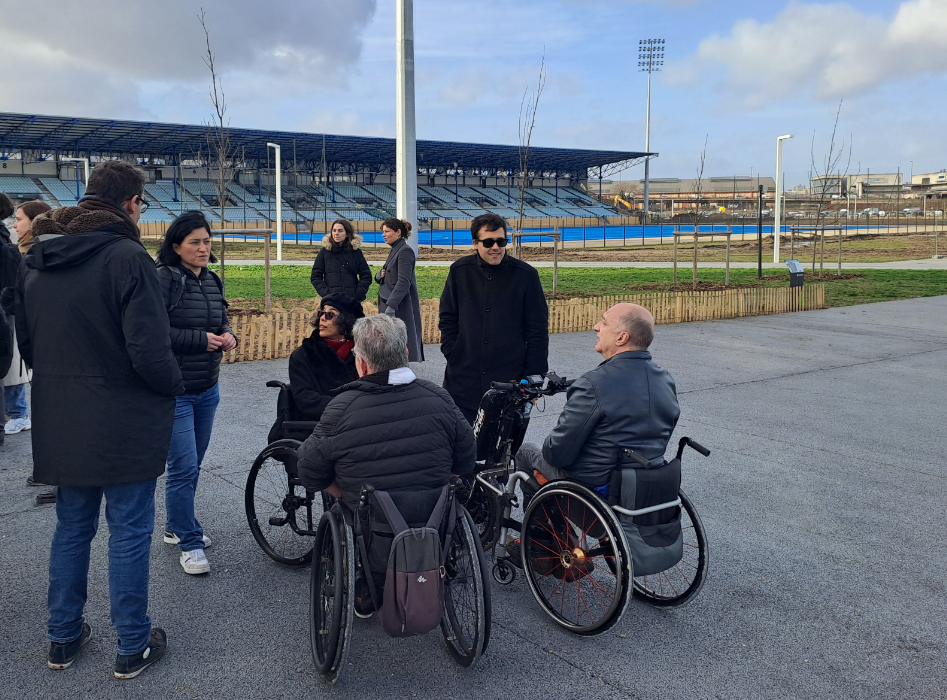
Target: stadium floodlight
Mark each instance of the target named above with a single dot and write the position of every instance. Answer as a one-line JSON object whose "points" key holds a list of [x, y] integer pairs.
{"points": [[778, 211], [650, 59], [84, 161], [279, 205], [406, 157]]}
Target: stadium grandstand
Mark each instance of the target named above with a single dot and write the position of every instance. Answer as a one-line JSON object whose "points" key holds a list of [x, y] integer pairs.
{"points": [[323, 177]]}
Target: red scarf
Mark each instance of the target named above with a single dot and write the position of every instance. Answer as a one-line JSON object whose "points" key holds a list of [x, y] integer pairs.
{"points": [[342, 347]]}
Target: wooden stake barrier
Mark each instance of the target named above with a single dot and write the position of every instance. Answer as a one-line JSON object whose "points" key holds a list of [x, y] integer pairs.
{"points": [[277, 334]]}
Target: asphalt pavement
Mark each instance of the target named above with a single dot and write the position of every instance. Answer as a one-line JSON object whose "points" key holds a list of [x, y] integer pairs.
{"points": [[823, 499]]}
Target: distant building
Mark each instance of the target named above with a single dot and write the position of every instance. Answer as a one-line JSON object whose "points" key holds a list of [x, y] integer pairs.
{"points": [[862, 185], [930, 182]]}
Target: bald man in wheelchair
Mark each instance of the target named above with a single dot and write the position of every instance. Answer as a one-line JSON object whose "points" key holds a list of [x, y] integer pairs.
{"points": [[627, 401]]}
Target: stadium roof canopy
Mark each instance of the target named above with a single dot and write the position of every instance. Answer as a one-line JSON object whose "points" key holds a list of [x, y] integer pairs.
{"points": [[39, 137]]}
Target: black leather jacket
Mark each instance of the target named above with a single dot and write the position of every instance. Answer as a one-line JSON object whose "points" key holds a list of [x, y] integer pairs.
{"points": [[627, 401]]}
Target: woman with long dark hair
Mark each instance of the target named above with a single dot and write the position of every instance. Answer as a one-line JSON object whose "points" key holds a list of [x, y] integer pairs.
{"points": [[14, 384], [200, 334], [398, 293], [340, 266]]}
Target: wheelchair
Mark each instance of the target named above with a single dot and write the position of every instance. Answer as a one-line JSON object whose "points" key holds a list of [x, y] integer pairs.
{"points": [[574, 545], [279, 508], [338, 564]]}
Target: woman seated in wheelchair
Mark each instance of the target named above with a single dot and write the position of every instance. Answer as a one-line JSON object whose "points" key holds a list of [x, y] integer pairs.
{"points": [[325, 359], [389, 429]]}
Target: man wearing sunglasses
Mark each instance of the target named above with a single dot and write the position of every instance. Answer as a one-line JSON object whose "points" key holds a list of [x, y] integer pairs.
{"points": [[493, 318]]}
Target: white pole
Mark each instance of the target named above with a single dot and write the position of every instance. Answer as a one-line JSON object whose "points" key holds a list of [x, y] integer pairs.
{"points": [[777, 219], [647, 161], [406, 176], [279, 204]]}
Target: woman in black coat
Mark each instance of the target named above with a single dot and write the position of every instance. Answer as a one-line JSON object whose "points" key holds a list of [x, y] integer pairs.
{"points": [[200, 334], [398, 293], [325, 359], [340, 266]]}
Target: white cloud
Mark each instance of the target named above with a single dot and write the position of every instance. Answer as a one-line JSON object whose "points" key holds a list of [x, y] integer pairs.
{"points": [[827, 51], [90, 59]]}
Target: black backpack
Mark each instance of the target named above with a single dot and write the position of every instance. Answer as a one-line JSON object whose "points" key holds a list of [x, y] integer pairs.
{"points": [[414, 580]]}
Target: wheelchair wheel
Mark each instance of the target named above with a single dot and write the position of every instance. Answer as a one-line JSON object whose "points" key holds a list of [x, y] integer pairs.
{"points": [[465, 622], [484, 509], [331, 595], [275, 500], [576, 559], [679, 584]]}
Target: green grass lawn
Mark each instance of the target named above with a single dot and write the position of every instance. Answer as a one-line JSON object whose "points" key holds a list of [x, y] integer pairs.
{"points": [[292, 282]]}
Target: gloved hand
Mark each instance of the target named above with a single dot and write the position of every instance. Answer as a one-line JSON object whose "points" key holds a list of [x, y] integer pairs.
{"points": [[390, 312]]}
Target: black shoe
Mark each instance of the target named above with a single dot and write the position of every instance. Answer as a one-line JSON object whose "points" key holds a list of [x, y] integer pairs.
{"points": [[61, 656], [30, 481], [46, 497], [129, 666], [364, 608]]}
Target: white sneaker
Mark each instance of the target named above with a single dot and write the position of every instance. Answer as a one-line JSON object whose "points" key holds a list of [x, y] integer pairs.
{"points": [[194, 562], [171, 538], [15, 425]]}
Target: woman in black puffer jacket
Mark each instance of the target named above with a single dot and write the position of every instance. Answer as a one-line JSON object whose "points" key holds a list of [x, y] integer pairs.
{"points": [[200, 334], [340, 266]]}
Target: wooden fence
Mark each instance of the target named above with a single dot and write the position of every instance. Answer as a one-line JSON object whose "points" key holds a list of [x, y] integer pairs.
{"points": [[277, 334]]}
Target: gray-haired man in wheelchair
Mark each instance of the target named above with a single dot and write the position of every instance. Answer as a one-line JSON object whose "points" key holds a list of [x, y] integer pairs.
{"points": [[401, 434]]}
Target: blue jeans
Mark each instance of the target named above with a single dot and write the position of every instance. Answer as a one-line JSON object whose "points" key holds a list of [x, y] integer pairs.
{"points": [[130, 514], [15, 399], [193, 422]]}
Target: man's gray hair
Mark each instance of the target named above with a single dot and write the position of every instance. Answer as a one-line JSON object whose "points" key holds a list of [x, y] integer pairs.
{"points": [[640, 329], [382, 341]]}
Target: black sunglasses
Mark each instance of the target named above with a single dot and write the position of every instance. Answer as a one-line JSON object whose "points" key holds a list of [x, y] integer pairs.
{"points": [[489, 242], [328, 315]]}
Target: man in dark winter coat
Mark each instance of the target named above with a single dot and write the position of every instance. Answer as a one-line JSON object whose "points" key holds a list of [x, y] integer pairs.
{"points": [[91, 323], [389, 428], [493, 318], [627, 401]]}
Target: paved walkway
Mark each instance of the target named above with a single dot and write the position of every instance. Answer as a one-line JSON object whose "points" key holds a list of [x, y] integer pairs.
{"points": [[823, 500], [924, 264]]}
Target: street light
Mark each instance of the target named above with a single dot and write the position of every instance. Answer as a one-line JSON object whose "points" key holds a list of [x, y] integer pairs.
{"points": [[650, 59], [85, 161], [279, 205], [779, 195]]}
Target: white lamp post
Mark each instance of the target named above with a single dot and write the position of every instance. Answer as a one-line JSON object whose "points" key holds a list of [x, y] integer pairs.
{"points": [[406, 161], [279, 205], [779, 195]]}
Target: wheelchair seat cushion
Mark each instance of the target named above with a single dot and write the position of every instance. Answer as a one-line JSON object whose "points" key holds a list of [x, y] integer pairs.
{"points": [[655, 539]]}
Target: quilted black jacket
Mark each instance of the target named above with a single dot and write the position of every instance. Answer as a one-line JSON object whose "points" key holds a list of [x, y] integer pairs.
{"points": [[197, 309], [395, 437]]}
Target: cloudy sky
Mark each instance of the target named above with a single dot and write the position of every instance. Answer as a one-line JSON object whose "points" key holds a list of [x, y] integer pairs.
{"points": [[738, 73]]}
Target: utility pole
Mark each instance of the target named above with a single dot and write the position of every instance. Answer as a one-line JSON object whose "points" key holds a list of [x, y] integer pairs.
{"points": [[759, 235], [406, 177], [650, 59]]}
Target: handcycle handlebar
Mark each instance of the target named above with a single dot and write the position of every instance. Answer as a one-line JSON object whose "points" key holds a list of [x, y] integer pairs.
{"points": [[532, 387]]}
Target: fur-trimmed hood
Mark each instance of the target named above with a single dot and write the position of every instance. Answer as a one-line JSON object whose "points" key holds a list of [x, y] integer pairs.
{"points": [[327, 242], [92, 214]]}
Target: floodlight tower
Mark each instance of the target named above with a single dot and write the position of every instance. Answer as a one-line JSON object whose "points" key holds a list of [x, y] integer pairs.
{"points": [[650, 59]]}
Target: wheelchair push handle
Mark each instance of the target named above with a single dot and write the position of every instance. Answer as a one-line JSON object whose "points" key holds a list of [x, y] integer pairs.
{"points": [[276, 384], [693, 444], [628, 453]]}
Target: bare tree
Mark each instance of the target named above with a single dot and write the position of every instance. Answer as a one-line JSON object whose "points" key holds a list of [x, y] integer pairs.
{"points": [[697, 190], [528, 109], [824, 176], [220, 149]]}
